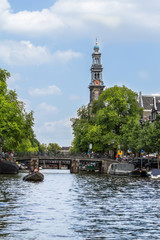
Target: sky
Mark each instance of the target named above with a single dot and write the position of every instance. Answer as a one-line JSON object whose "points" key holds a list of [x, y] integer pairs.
{"points": [[47, 46]]}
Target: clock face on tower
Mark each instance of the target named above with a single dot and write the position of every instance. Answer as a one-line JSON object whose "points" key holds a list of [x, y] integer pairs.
{"points": [[96, 82]]}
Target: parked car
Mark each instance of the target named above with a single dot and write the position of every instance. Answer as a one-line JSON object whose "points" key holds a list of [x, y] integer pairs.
{"points": [[148, 163], [140, 162], [153, 163]]}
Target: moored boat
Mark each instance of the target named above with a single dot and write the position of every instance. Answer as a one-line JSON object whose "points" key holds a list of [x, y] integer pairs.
{"points": [[139, 173], [35, 177], [121, 169], [155, 174], [7, 167]]}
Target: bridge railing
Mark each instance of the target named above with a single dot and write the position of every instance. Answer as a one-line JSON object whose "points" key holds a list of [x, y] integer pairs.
{"points": [[59, 154]]}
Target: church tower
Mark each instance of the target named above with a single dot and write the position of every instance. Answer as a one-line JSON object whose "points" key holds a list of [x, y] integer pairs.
{"points": [[96, 85]]}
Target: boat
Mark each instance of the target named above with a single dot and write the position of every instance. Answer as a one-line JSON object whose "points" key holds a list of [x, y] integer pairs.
{"points": [[139, 173], [90, 168], [7, 167], [35, 177], [155, 174], [121, 169]]}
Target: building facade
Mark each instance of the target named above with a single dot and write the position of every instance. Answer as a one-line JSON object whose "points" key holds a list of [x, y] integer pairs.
{"points": [[150, 105], [96, 85]]}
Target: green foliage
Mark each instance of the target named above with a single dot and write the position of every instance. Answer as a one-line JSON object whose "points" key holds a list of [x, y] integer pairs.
{"points": [[52, 147], [131, 136], [156, 134], [94, 137], [81, 126], [147, 137], [106, 124], [26, 146], [43, 148], [15, 123]]}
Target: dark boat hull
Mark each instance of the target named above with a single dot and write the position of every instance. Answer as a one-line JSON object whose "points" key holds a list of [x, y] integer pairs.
{"points": [[7, 167], [34, 177], [138, 173]]}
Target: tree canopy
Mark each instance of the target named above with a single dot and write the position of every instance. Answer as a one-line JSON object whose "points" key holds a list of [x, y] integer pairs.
{"points": [[115, 122], [16, 124], [109, 122]]}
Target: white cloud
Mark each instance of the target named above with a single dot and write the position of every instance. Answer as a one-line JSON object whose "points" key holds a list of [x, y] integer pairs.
{"points": [[26, 21], [25, 53], [4, 5], [44, 107], [65, 56], [155, 94], [56, 131], [52, 126], [50, 90], [85, 16]]}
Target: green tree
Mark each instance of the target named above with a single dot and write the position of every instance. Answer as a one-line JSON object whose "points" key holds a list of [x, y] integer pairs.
{"points": [[53, 147], [81, 126], [15, 124], [103, 124], [147, 137], [43, 148], [156, 135], [94, 136], [131, 134]]}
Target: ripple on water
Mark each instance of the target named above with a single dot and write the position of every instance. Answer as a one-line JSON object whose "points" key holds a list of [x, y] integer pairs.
{"points": [[81, 206]]}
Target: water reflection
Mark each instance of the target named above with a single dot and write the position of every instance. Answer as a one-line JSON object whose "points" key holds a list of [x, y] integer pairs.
{"points": [[79, 206]]}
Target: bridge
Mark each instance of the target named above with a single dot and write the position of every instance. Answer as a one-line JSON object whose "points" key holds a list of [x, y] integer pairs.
{"points": [[74, 163]]}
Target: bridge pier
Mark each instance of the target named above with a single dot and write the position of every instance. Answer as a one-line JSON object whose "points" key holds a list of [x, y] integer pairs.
{"points": [[59, 165], [44, 164], [34, 163], [75, 166], [105, 166]]}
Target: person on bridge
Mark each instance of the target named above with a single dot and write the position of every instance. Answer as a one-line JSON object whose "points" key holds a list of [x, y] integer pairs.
{"points": [[89, 153]]}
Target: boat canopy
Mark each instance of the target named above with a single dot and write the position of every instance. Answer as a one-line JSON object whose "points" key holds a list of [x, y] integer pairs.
{"points": [[122, 166], [155, 172]]}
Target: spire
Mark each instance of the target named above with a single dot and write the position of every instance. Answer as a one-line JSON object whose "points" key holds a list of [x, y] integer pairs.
{"points": [[96, 47]]}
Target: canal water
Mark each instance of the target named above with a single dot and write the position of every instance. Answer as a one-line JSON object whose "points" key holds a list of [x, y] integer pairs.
{"points": [[79, 206]]}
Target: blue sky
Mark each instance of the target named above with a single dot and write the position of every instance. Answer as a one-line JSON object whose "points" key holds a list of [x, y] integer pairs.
{"points": [[47, 47]]}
